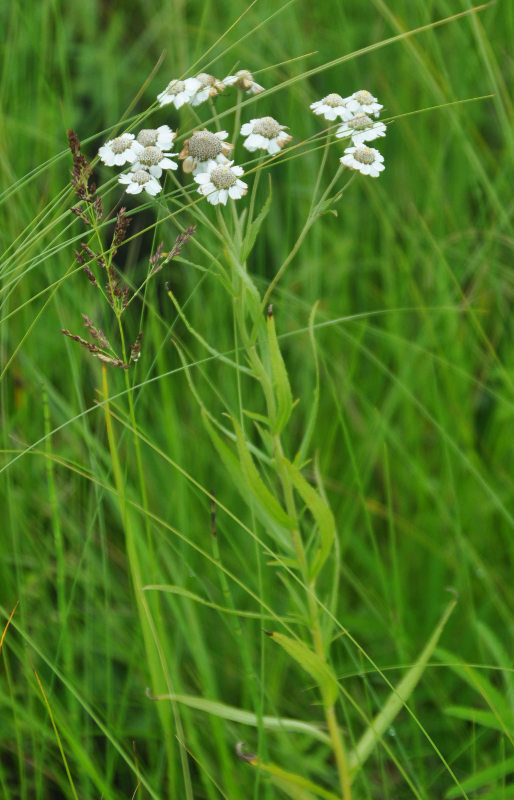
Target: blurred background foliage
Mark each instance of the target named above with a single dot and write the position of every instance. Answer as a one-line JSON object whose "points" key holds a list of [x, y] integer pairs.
{"points": [[414, 435]]}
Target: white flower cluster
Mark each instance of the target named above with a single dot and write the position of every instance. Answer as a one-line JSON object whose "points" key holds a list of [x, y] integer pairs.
{"points": [[146, 153], [206, 155], [354, 111]]}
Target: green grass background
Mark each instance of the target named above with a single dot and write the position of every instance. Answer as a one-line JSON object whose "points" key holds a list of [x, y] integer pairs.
{"points": [[413, 438]]}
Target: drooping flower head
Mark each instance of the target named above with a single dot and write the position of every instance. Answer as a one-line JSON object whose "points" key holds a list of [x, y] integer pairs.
{"points": [[140, 179], [332, 106], [121, 150], [365, 159], [265, 134], [363, 101], [154, 161], [156, 137], [203, 147], [243, 79], [220, 182], [361, 128], [208, 86], [179, 92]]}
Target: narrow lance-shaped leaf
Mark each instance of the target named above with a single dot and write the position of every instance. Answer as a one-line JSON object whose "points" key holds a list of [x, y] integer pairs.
{"points": [[280, 378], [272, 516], [294, 785], [313, 413], [321, 512], [242, 717], [318, 669], [484, 778], [258, 489], [254, 228], [397, 699]]}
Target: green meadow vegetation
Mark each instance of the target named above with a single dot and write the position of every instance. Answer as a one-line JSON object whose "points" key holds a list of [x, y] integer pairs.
{"points": [[258, 502]]}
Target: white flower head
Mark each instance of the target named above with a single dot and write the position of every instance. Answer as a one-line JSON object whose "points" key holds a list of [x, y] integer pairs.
{"points": [[332, 106], [140, 179], [208, 86], [179, 92], [363, 101], [243, 79], [156, 137], [154, 161], [202, 148], [120, 150], [366, 159], [361, 128], [220, 182], [264, 134]]}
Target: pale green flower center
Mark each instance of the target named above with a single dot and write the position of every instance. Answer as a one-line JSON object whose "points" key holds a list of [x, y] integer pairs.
{"points": [[360, 122], [204, 145], [364, 97], [147, 137], [120, 144], [175, 87], [223, 177], [267, 127], [140, 176], [333, 100], [244, 74], [150, 156], [365, 155]]}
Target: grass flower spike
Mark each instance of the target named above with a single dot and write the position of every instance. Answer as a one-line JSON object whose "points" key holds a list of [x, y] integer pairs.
{"points": [[179, 92], [154, 160], [202, 147], [361, 128], [264, 134], [120, 150], [366, 159], [156, 137], [220, 182], [243, 79], [363, 101], [140, 179], [332, 106]]}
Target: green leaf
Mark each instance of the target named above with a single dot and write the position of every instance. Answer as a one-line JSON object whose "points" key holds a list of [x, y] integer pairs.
{"points": [[318, 669], [321, 512], [262, 496], [270, 513], [486, 776], [254, 227], [242, 717], [489, 694], [280, 379], [480, 717], [295, 785], [397, 699], [313, 413]]}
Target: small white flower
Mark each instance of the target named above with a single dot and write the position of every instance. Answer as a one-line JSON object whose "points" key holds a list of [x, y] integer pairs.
{"points": [[120, 150], [202, 148], [243, 79], [332, 106], [140, 179], [366, 159], [264, 134], [154, 161], [209, 86], [220, 182], [179, 92], [156, 137], [363, 101], [361, 128]]}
